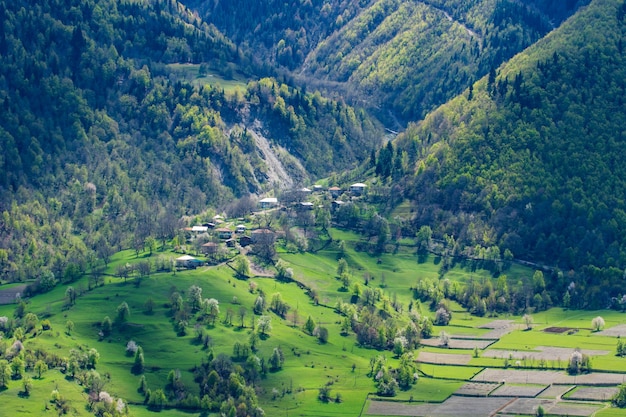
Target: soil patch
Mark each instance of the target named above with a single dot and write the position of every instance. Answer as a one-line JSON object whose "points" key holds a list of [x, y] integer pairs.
{"points": [[390, 408], [528, 391], [527, 406], [7, 295], [546, 353], [593, 393], [557, 329], [573, 409], [459, 343], [477, 389], [555, 391], [522, 376], [443, 358], [615, 331]]}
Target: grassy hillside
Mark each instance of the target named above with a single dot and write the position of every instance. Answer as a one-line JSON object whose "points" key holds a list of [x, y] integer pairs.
{"points": [[527, 159], [342, 364]]}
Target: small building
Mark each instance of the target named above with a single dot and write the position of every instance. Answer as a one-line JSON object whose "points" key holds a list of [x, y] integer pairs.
{"points": [[245, 241], [336, 204], [268, 202], [305, 190], [231, 243], [335, 191], [318, 188], [187, 261], [305, 205], [199, 229], [209, 248], [240, 228], [358, 188], [224, 233]]}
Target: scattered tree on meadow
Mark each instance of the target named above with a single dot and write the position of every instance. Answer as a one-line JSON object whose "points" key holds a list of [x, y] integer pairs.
{"points": [[264, 325], [309, 325], [139, 364], [597, 323], [276, 359], [242, 267], [528, 321], [579, 363], [123, 313], [40, 368]]}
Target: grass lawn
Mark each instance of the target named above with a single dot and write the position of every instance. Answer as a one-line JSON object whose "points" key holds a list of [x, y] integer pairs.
{"points": [[191, 73]]}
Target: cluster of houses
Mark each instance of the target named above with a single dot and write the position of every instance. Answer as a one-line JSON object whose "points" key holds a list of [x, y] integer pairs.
{"points": [[230, 238], [355, 190]]}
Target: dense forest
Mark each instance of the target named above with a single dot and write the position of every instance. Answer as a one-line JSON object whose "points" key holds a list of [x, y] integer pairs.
{"points": [[528, 159], [103, 148], [403, 57]]}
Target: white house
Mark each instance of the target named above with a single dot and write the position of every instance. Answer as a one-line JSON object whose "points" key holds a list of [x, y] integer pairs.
{"points": [[358, 188], [268, 202]]}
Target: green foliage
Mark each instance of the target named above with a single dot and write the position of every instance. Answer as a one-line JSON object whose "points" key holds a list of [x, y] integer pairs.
{"points": [[109, 151], [519, 172]]}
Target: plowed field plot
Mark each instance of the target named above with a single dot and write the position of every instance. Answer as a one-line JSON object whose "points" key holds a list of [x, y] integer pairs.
{"points": [[554, 391], [388, 408], [477, 389], [8, 295], [541, 352], [469, 407], [459, 343], [573, 409], [593, 393], [527, 406], [452, 407], [557, 330], [521, 376], [619, 330], [443, 358], [498, 328], [528, 391]]}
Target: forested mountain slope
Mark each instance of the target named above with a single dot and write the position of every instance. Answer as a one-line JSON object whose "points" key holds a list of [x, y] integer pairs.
{"points": [[530, 159], [100, 145], [403, 56]]}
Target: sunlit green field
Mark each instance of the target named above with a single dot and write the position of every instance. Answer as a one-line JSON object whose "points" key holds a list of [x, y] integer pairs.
{"points": [[309, 364], [192, 73]]}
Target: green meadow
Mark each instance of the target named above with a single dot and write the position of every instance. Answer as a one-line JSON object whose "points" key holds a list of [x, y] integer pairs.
{"points": [[193, 74], [340, 364]]}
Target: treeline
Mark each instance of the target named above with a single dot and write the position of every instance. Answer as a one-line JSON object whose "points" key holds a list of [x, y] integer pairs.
{"points": [[528, 158], [101, 150]]}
